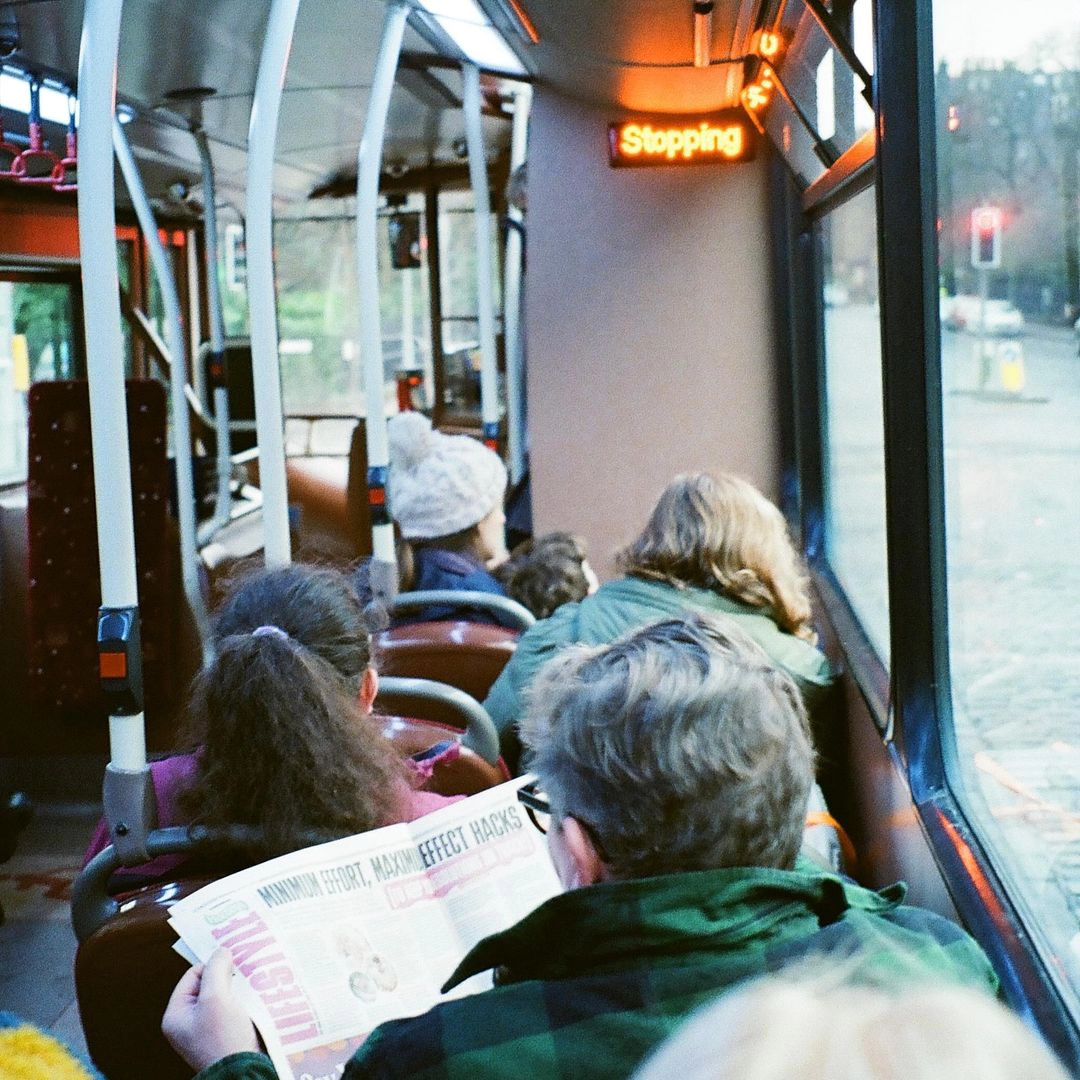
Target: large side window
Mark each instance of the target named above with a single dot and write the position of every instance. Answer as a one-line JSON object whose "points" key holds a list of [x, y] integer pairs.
{"points": [[1008, 149], [854, 457]]}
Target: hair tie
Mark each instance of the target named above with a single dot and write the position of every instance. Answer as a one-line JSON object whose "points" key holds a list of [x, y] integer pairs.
{"points": [[270, 631]]}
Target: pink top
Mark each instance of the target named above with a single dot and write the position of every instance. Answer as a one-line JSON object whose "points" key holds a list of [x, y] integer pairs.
{"points": [[173, 775]]}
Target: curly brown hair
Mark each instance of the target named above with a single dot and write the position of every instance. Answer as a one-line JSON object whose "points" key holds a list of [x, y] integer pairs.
{"points": [[545, 573]]}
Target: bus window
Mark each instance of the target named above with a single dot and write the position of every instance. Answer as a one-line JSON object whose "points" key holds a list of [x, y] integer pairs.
{"points": [[37, 342], [1008, 152], [854, 445], [321, 368], [817, 110], [460, 306]]}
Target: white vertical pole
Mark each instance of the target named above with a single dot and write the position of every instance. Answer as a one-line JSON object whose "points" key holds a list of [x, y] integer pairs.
{"points": [[126, 778], [104, 341], [223, 502], [474, 137], [181, 419], [262, 306], [368, 166], [512, 306]]}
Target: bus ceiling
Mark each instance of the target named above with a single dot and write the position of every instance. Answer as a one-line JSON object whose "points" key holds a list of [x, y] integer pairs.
{"points": [[605, 52]]}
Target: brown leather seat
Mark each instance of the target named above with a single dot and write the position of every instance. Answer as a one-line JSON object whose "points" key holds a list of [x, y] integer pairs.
{"points": [[124, 974], [467, 655], [465, 775]]}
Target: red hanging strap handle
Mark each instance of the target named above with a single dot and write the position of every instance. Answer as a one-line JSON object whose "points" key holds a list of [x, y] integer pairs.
{"points": [[36, 164], [65, 176]]}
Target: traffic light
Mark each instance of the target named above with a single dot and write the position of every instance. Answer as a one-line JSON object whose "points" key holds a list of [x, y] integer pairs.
{"points": [[986, 237]]}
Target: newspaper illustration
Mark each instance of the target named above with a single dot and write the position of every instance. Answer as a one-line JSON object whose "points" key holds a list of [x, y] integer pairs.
{"points": [[331, 941]]}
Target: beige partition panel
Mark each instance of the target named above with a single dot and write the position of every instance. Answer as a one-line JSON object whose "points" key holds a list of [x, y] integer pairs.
{"points": [[649, 327]]}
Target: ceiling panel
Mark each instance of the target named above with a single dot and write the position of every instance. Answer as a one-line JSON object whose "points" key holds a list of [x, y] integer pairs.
{"points": [[637, 56], [633, 55], [168, 45]]}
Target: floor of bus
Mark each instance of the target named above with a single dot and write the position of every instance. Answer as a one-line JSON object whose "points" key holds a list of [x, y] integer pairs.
{"points": [[37, 944]]}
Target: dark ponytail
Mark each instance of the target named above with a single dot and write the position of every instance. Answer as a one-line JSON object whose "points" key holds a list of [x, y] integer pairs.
{"points": [[286, 748]]}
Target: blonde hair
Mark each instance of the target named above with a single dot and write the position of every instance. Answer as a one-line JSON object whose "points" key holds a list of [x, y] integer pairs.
{"points": [[827, 1028], [716, 531]]}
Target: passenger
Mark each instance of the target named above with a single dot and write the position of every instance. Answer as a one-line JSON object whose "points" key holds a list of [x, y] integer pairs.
{"points": [[825, 1028], [446, 495], [713, 544], [545, 573], [301, 622], [677, 762]]}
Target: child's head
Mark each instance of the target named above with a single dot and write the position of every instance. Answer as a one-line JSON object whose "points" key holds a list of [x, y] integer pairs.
{"points": [[315, 605], [445, 488], [280, 715], [285, 746], [546, 573]]}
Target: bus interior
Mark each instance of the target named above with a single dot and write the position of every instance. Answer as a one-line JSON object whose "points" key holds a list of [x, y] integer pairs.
{"points": [[832, 247]]}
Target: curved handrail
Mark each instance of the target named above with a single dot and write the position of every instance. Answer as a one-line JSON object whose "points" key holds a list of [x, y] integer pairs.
{"points": [[480, 733], [92, 906], [502, 606]]}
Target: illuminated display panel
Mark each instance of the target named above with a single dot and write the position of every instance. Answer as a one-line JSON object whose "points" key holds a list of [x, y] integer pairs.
{"points": [[723, 137]]}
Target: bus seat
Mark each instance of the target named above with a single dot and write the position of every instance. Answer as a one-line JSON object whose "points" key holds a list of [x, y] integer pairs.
{"points": [[319, 486], [466, 774], [64, 589], [438, 703], [124, 974], [467, 655]]}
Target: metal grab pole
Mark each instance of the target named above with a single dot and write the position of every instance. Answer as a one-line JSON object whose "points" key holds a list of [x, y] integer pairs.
{"points": [[262, 303], [512, 305], [223, 504], [474, 137], [383, 574], [181, 419], [127, 789]]}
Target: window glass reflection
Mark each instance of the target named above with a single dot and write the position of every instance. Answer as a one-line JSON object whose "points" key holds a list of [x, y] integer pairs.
{"points": [[1008, 149], [854, 444]]}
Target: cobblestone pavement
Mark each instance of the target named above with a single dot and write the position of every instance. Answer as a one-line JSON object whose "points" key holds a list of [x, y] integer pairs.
{"points": [[1012, 466]]}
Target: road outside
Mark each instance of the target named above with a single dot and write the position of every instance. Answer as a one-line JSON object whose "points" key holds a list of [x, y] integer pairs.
{"points": [[1013, 538]]}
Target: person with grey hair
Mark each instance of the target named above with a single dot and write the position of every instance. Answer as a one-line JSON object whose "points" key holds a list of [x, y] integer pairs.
{"points": [[676, 764]]}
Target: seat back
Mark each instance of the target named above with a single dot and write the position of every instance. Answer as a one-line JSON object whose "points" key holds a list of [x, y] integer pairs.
{"points": [[467, 655], [465, 774], [64, 584], [124, 974]]}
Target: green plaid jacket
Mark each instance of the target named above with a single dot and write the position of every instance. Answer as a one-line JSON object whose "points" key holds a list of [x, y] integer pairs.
{"points": [[595, 978]]}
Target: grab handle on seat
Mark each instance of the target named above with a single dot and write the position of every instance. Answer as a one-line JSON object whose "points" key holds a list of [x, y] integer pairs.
{"points": [[395, 692], [509, 611]]}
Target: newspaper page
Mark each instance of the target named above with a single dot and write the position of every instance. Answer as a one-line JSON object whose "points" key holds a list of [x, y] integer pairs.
{"points": [[331, 941]]}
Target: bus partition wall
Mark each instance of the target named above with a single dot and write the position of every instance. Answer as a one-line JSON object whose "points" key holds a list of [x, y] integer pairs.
{"points": [[63, 690]]}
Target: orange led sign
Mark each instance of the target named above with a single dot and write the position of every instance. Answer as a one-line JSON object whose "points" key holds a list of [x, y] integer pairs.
{"points": [[756, 96], [721, 137]]}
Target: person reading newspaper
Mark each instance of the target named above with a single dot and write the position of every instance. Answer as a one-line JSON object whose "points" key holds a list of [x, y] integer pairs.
{"points": [[676, 764]]}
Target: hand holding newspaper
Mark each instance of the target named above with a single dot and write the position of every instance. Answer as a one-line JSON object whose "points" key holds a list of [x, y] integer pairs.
{"points": [[331, 941]]}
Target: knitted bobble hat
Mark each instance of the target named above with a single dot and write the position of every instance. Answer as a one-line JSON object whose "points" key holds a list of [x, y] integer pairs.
{"points": [[439, 484]]}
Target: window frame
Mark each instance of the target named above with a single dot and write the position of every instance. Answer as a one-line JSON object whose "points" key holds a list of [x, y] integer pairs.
{"points": [[912, 701], [18, 271]]}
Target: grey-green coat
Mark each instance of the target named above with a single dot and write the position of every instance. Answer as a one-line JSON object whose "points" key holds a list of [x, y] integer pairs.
{"points": [[624, 605]]}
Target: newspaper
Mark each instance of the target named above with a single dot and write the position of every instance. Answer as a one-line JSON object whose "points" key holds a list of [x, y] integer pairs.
{"points": [[331, 941]]}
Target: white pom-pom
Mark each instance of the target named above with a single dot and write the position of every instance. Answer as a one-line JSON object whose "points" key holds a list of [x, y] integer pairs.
{"points": [[411, 439]]}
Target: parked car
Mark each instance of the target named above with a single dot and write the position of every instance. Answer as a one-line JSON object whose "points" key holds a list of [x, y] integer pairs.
{"points": [[965, 313]]}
